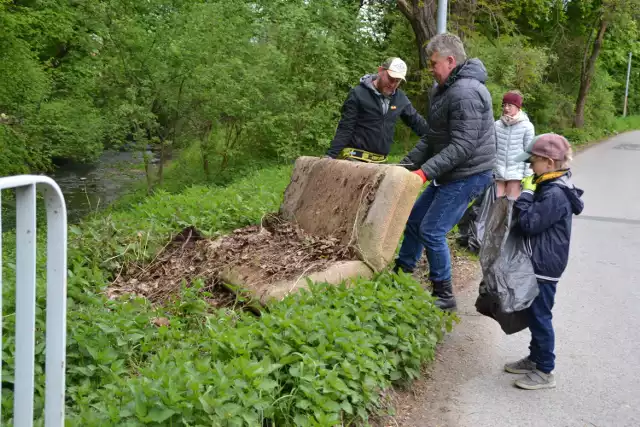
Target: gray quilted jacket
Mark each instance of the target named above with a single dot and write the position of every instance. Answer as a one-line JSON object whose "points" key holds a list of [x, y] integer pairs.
{"points": [[512, 140], [460, 141]]}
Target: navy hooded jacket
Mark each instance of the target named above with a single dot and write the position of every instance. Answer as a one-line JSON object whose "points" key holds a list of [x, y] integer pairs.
{"points": [[544, 217]]}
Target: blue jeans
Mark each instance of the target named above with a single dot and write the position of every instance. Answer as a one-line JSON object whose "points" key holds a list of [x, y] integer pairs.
{"points": [[437, 210], [542, 336]]}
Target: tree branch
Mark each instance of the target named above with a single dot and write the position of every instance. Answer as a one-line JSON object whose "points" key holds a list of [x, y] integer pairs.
{"points": [[404, 7]]}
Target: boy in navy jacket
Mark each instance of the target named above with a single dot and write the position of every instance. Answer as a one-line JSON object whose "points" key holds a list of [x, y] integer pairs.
{"points": [[543, 213]]}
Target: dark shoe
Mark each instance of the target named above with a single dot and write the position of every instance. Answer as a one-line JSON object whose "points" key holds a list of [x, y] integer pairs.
{"points": [[397, 268], [462, 241], [444, 292]]}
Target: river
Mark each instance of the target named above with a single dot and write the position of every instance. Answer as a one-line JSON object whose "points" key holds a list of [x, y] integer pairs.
{"points": [[90, 187]]}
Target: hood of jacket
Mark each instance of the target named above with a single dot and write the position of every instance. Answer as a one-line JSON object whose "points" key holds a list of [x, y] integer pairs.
{"points": [[367, 81], [574, 194], [470, 69]]}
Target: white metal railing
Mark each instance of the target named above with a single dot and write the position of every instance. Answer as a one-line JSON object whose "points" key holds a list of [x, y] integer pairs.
{"points": [[56, 296]]}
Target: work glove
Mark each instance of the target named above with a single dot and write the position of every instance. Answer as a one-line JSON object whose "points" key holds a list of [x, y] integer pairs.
{"points": [[421, 174], [528, 185]]}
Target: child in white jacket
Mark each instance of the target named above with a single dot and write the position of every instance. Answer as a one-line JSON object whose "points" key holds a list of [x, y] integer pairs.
{"points": [[514, 133]]}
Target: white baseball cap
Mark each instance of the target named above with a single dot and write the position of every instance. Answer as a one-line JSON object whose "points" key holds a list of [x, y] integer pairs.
{"points": [[396, 68]]}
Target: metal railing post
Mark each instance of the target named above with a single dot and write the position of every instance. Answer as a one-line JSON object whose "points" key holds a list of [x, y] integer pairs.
{"points": [[56, 297]]}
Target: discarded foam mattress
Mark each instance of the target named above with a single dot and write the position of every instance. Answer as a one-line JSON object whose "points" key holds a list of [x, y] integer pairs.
{"points": [[359, 208]]}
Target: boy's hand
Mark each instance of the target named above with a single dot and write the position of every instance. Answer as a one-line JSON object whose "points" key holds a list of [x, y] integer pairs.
{"points": [[528, 185]]}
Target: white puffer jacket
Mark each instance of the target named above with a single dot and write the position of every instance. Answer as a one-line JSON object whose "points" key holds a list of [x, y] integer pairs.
{"points": [[511, 140]]}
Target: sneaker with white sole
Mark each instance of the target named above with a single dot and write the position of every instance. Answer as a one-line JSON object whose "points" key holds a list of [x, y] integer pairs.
{"points": [[536, 380], [522, 366]]}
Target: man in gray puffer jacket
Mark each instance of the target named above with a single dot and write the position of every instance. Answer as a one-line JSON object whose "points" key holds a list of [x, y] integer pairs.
{"points": [[457, 154]]}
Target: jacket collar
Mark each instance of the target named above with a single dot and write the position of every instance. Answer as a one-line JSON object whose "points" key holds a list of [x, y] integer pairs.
{"points": [[550, 176], [368, 82], [453, 76]]}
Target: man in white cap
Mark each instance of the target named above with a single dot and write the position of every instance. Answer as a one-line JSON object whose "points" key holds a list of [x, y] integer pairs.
{"points": [[369, 115]]}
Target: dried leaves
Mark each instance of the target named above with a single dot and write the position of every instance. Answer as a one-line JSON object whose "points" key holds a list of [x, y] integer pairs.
{"points": [[276, 250]]}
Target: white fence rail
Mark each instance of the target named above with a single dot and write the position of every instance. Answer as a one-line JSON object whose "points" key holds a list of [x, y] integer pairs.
{"points": [[56, 297]]}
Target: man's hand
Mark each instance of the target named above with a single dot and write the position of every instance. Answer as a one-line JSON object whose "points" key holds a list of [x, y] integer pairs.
{"points": [[421, 174], [528, 185]]}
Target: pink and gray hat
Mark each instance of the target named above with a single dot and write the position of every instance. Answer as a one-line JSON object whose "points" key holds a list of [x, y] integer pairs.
{"points": [[549, 145]]}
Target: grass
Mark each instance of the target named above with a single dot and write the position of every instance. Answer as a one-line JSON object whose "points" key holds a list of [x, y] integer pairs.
{"points": [[591, 134], [318, 358], [187, 171]]}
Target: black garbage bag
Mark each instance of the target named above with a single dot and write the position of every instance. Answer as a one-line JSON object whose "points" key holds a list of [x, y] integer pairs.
{"points": [[467, 219], [508, 275], [489, 305], [471, 226], [477, 228]]}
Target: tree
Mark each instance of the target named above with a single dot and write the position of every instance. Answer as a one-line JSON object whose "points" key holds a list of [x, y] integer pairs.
{"points": [[588, 69], [422, 17], [603, 14]]}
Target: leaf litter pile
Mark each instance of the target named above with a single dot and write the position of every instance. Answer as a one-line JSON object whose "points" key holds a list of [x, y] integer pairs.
{"points": [[275, 250]]}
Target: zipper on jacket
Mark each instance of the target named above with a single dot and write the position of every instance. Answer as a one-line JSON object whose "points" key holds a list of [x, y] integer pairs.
{"points": [[506, 154]]}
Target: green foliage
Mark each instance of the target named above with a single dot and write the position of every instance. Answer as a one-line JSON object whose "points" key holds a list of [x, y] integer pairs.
{"points": [[137, 232], [242, 79], [69, 129], [238, 86], [23, 86], [17, 156], [539, 48], [320, 356], [265, 80], [316, 358], [512, 63], [593, 134]]}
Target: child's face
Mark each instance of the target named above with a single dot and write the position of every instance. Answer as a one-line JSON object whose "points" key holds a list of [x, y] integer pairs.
{"points": [[541, 165], [509, 109]]}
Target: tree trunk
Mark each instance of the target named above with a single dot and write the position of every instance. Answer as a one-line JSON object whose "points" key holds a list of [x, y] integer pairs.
{"points": [[422, 17], [205, 165], [462, 17], [147, 172], [586, 74], [205, 148], [161, 166]]}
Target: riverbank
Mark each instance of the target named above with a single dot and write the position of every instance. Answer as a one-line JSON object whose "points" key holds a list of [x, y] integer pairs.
{"points": [[322, 357]]}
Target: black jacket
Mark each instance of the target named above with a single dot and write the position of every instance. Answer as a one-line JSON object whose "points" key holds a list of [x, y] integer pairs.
{"points": [[460, 141], [366, 125], [544, 217]]}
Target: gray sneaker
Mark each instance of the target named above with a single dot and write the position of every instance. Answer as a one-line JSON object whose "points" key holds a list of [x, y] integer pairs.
{"points": [[536, 380], [522, 366]]}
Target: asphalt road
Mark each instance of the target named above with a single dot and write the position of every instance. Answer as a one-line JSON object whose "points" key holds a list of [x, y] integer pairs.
{"points": [[596, 318]]}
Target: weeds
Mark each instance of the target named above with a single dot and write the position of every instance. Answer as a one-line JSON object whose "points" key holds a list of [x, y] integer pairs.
{"points": [[317, 358]]}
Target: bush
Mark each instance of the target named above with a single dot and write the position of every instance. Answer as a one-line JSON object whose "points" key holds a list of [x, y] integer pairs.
{"points": [[17, 156], [623, 124], [318, 356], [70, 129]]}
